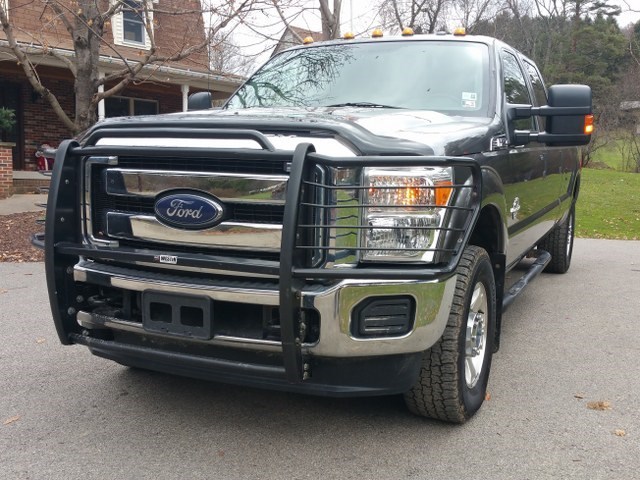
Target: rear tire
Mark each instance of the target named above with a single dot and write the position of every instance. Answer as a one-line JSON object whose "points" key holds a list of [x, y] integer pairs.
{"points": [[559, 243], [453, 379]]}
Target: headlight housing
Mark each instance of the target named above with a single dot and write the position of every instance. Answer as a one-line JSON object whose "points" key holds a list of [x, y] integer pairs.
{"points": [[404, 212]]}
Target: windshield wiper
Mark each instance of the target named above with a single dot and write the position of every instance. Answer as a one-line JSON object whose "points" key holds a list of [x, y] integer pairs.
{"points": [[361, 104]]}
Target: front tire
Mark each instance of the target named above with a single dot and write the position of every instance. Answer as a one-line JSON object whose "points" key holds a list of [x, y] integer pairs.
{"points": [[453, 379]]}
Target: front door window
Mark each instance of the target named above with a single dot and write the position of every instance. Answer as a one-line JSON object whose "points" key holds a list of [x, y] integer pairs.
{"points": [[10, 98]]}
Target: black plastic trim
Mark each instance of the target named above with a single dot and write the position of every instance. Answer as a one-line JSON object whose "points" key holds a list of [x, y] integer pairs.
{"points": [[290, 288], [132, 255], [62, 225], [536, 268], [37, 240], [164, 132], [332, 377]]}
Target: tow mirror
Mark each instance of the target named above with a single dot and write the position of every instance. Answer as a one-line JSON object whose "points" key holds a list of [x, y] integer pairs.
{"points": [[199, 101], [569, 118]]}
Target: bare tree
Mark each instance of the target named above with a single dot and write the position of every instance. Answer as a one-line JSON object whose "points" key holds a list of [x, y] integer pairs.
{"points": [[469, 13], [85, 23], [225, 55], [423, 16], [269, 21]]}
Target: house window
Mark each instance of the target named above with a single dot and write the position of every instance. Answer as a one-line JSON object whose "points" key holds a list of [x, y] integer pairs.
{"points": [[133, 22], [129, 25], [126, 107]]}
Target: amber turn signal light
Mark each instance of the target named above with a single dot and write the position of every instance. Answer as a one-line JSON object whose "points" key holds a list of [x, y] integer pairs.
{"points": [[443, 192], [588, 124]]}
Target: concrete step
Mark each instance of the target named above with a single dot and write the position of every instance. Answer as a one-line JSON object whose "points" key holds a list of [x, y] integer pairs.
{"points": [[29, 182]]}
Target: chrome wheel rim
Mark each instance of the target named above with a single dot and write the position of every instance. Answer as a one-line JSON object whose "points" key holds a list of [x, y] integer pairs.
{"points": [[476, 335]]}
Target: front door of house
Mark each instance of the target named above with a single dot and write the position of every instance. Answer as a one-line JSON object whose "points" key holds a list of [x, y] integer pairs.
{"points": [[10, 98]]}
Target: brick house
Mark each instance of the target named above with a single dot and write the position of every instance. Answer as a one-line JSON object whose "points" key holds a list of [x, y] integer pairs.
{"points": [[161, 89]]}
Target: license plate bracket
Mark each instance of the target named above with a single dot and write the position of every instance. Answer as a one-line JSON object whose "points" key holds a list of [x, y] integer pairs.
{"points": [[181, 315]]}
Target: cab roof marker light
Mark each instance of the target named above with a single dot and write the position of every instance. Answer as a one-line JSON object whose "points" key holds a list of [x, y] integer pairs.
{"points": [[407, 32], [349, 36], [377, 33], [460, 32], [307, 40]]}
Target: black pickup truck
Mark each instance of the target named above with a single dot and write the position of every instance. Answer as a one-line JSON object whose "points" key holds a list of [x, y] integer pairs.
{"points": [[342, 226]]}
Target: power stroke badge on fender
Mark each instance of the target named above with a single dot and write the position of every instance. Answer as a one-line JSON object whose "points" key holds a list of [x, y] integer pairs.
{"points": [[188, 209]]}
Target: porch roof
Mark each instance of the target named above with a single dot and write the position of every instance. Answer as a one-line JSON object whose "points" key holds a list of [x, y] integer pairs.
{"points": [[54, 57]]}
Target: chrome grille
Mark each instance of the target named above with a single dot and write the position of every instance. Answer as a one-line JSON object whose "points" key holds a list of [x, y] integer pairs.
{"points": [[123, 192], [218, 165]]}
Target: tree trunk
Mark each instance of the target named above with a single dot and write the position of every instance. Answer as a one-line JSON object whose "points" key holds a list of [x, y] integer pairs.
{"points": [[330, 19], [87, 34]]}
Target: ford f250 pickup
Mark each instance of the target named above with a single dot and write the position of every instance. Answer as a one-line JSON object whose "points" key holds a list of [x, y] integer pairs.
{"points": [[342, 226]]}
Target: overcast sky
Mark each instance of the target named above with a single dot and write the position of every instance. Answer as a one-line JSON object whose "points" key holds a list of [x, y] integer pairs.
{"points": [[364, 16], [361, 21]]}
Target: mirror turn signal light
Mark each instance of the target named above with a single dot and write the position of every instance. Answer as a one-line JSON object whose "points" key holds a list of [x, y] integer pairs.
{"points": [[588, 124]]}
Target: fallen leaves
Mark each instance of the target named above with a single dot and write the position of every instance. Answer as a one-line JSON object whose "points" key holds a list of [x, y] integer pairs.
{"points": [[599, 405], [16, 230], [619, 432], [11, 420], [40, 340]]}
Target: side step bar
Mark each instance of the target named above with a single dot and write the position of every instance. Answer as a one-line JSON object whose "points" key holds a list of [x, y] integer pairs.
{"points": [[542, 259]]}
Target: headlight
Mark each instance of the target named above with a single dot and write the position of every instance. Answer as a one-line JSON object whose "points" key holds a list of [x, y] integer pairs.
{"points": [[404, 212]]}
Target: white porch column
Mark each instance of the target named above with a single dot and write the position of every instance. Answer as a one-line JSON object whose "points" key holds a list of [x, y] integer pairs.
{"points": [[185, 97], [101, 112]]}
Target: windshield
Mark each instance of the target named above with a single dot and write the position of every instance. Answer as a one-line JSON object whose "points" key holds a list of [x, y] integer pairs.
{"points": [[448, 77]]}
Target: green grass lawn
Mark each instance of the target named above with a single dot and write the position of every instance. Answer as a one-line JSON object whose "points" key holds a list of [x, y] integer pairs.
{"points": [[610, 157], [609, 205]]}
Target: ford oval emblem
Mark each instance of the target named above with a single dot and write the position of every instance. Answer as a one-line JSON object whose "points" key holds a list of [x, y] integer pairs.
{"points": [[189, 210]]}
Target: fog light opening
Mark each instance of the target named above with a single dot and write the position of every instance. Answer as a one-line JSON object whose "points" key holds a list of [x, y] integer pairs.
{"points": [[383, 317]]}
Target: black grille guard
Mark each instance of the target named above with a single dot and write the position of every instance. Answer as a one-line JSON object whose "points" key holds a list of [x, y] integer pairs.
{"points": [[64, 242]]}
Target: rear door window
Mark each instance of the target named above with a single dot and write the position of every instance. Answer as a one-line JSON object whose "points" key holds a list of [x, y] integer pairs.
{"points": [[539, 90]]}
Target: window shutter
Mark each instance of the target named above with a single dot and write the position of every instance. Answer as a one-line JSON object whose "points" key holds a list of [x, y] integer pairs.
{"points": [[118, 28], [147, 40]]}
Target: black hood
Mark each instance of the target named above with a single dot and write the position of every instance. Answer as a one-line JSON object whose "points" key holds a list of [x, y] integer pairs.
{"points": [[370, 130]]}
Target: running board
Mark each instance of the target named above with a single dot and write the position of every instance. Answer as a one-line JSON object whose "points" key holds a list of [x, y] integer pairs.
{"points": [[543, 258]]}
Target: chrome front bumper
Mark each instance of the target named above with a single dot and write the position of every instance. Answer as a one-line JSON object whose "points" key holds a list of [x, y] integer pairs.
{"points": [[335, 305]]}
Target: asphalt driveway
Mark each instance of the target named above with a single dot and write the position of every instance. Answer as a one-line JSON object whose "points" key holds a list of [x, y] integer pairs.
{"points": [[568, 342]]}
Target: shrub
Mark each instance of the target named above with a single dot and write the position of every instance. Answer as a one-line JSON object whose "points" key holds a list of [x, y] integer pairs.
{"points": [[7, 118]]}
